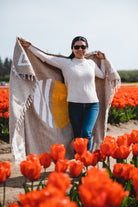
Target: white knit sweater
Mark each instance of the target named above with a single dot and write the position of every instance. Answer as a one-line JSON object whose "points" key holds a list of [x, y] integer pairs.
{"points": [[79, 75]]}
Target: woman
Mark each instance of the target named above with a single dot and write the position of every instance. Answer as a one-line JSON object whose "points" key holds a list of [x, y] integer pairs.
{"points": [[79, 74]]}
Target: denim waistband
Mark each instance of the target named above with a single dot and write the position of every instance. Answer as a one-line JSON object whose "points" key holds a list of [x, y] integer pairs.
{"points": [[83, 104]]}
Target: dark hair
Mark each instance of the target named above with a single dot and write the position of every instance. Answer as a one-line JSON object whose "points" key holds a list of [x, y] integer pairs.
{"points": [[78, 38]]}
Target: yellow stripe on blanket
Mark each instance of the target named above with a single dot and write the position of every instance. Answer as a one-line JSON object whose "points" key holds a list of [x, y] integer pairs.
{"points": [[60, 105]]}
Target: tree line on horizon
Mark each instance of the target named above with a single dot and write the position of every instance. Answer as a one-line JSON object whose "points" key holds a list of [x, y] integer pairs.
{"points": [[127, 76], [5, 68]]}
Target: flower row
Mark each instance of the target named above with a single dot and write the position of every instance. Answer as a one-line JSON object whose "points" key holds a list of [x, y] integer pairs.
{"points": [[4, 103], [94, 187], [125, 96]]}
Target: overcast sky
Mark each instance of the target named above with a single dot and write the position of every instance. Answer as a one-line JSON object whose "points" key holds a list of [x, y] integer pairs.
{"points": [[109, 25]]}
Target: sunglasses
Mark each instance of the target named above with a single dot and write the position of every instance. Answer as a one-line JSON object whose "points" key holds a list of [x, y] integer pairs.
{"points": [[77, 47]]}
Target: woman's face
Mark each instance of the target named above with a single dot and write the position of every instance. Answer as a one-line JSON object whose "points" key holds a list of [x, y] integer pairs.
{"points": [[79, 52]]}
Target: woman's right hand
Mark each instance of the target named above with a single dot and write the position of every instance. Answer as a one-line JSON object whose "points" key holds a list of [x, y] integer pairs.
{"points": [[24, 43]]}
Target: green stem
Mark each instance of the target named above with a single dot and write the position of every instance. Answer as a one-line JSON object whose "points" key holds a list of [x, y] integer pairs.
{"points": [[108, 161], [118, 160], [4, 193], [135, 160]]}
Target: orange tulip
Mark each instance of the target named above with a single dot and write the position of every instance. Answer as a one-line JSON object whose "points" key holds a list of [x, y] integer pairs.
{"points": [[4, 103], [110, 139], [33, 158], [108, 146], [2, 174], [95, 157], [52, 190], [117, 170], [59, 180], [58, 152], [123, 140], [45, 159], [13, 205], [134, 136], [56, 201], [133, 172], [61, 165], [99, 154], [80, 145], [23, 167], [6, 115], [91, 196], [5, 171], [48, 196], [77, 156], [31, 170], [97, 189], [126, 172], [86, 158], [125, 96], [75, 168], [116, 195], [90, 176], [32, 198], [135, 149], [7, 166], [121, 152], [135, 182], [94, 170]]}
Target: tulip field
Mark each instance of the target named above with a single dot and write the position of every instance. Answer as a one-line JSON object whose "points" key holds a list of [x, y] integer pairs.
{"points": [[79, 182], [88, 180], [123, 108], [124, 105], [4, 112]]}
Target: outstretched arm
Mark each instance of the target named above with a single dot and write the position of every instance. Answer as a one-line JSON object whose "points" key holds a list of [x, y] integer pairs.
{"points": [[58, 62]]}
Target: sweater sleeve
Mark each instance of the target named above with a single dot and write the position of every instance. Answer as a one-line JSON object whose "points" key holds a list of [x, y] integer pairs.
{"points": [[59, 62], [100, 72]]}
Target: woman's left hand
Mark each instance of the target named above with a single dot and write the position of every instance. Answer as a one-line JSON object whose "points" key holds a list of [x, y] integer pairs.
{"points": [[100, 55]]}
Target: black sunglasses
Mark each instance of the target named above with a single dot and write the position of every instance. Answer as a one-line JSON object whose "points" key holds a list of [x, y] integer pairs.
{"points": [[83, 47]]}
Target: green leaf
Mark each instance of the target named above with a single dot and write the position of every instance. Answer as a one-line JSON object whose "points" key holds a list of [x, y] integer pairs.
{"points": [[108, 169], [135, 160], [26, 189], [124, 203], [40, 185]]}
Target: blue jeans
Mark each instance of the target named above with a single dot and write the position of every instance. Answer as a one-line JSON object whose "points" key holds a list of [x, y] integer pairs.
{"points": [[83, 117]]}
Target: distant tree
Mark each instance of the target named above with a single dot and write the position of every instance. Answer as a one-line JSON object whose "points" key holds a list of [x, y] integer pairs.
{"points": [[128, 75], [5, 67]]}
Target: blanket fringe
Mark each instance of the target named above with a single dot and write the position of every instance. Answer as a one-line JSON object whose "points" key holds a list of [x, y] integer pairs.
{"points": [[22, 75], [115, 85], [15, 72], [25, 108], [30, 97]]}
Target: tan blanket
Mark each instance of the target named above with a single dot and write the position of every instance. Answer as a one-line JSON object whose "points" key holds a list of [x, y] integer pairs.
{"points": [[38, 108]]}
